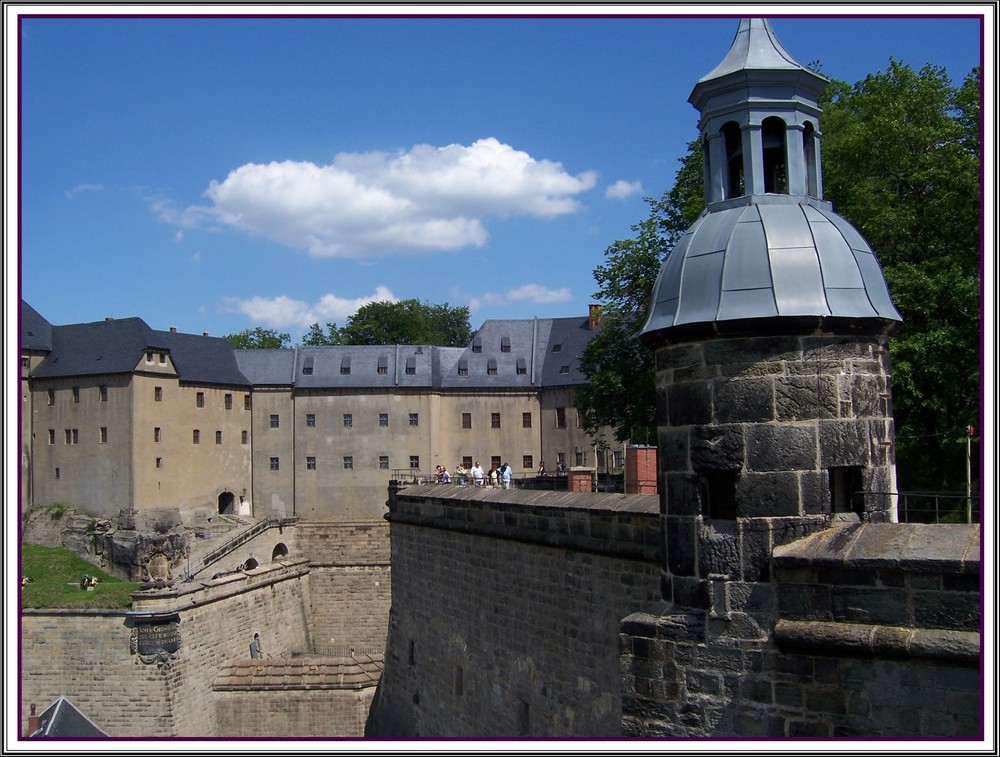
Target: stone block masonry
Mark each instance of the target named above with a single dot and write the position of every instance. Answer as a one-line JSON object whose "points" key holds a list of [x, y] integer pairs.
{"points": [[505, 611]]}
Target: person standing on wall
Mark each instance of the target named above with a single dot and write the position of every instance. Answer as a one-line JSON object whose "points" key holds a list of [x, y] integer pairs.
{"points": [[477, 474], [505, 474]]}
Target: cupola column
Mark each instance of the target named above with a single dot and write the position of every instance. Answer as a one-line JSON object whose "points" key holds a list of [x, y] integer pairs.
{"points": [[753, 160], [714, 147], [795, 154]]}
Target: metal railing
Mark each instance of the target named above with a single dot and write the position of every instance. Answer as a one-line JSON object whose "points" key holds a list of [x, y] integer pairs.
{"points": [[928, 507], [242, 538]]}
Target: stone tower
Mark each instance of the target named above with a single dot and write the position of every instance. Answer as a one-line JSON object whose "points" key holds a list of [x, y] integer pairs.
{"points": [[770, 321]]}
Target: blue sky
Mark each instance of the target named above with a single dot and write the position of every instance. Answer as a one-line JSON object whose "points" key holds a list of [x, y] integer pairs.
{"points": [[218, 174]]}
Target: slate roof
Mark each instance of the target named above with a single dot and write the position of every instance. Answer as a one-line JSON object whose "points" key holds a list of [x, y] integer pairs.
{"points": [[118, 345], [62, 719], [36, 332]]}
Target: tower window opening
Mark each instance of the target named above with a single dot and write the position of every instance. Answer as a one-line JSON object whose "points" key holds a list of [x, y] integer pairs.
{"points": [[775, 156], [733, 138], [720, 495], [809, 150], [846, 490]]}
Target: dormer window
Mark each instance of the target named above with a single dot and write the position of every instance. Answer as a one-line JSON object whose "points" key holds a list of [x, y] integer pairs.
{"points": [[411, 366], [477, 344], [383, 365], [463, 367], [505, 344], [491, 367], [307, 366], [345, 366]]}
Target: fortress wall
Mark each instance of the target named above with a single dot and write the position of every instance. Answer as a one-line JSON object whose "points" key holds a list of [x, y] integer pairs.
{"points": [[875, 634], [505, 611], [85, 656], [316, 714], [350, 584]]}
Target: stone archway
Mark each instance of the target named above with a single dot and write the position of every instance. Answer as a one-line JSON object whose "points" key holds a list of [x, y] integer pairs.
{"points": [[227, 502], [280, 552]]}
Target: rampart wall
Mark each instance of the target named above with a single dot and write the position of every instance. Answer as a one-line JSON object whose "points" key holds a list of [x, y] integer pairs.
{"points": [[505, 610]]}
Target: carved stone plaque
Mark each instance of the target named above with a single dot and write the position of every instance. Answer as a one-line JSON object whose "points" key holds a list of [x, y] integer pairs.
{"points": [[159, 636]]}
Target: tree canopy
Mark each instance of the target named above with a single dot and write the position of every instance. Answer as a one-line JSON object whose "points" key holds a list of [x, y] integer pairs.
{"points": [[403, 322], [259, 339], [901, 161]]}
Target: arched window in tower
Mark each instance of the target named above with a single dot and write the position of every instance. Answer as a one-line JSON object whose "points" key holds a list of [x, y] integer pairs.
{"points": [[733, 138], [809, 151], [775, 156]]}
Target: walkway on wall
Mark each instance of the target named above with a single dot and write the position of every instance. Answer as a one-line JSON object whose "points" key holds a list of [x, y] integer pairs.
{"points": [[215, 554]]}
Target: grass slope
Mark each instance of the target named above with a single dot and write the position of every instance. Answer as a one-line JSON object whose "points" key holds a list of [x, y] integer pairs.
{"points": [[55, 574]]}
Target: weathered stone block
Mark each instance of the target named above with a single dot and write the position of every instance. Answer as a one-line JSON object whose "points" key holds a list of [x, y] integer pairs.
{"points": [[866, 396], [680, 546], [679, 356], [781, 448], [744, 400], [673, 448], [755, 552], [768, 494], [683, 494], [933, 609], [805, 397], [854, 604], [718, 550], [814, 492], [662, 414], [727, 351], [689, 403], [715, 448], [843, 443]]}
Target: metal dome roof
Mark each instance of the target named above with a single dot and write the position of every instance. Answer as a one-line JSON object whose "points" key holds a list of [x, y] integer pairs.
{"points": [[787, 259]]}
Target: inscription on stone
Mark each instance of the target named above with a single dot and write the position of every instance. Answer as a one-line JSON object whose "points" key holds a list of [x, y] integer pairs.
{"points": [[159, 637]]}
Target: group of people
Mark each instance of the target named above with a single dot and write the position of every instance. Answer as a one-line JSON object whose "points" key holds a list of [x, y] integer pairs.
{"points": [[494, 477]]}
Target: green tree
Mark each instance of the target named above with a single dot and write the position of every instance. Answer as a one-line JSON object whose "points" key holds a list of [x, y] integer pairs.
{"points": [[259, 339], [404, 322], [621, 388], [901, 162]]}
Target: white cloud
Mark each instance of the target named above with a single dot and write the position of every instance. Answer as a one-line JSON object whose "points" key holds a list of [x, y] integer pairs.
{"points": [[622, 189], [284, 312], [83, 188], [533, 293], [362, 204]]}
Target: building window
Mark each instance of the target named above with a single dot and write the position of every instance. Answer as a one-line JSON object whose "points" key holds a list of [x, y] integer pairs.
{"points": [[477, 344], [348, 462], [495, 462], [720, 494], [156, 434], [564, 370], [505, 344], [157, 394], [310, 463], [25, 362], [414, 419], [311, 420], [196, 436], [274, 463], [414, 462], [383, 365], [581, 456], [348, 420], [104, 434], [246, 401], [68, 436], [103, 390], [383, 370], [463, 367], [58, 474], [383, 420], [163, 358], [557, 347], [159, 462], [560, 462], [579, 419], [72, 436], [244, 436], [199, 399], [466, 461], [52, 436], [218, 437], [411, 366], [307, 367], [149, 357], [525, 420], [274, 420], [466, 420], [560, 417], [345, 366], [383, 462], [845, 484], [229, 401], [494, 420], [527, 462], [522, 367], [76, 394], [491, 367], [52, 396]]}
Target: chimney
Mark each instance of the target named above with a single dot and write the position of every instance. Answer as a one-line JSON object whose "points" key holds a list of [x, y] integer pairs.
{"points": [[204, 333], [173, 329], [595, 317], [109, 318], [32, 721]]}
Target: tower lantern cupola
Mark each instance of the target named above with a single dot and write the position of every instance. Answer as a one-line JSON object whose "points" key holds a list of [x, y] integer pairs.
{"points": [[759, 120]]}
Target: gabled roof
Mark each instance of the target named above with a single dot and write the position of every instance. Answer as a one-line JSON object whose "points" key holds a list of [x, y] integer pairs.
{"points": [[117, 346], [36, 332], [562, 344], [62, 719]]}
